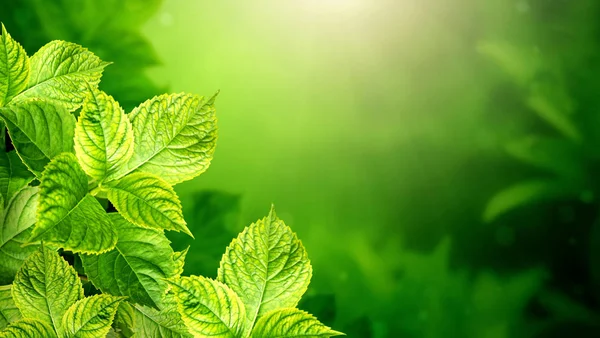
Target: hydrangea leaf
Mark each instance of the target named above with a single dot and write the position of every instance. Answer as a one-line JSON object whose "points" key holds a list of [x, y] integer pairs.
{"points": [[148, 201], [14, 175], [267, 266], [208, 307], [45, 287], [28, 328], [62, 73], [291, 323], [39, 131], [166, 323], [91, 317], [175, 136], [136, 267], [67, 215], [9, 312], [16, 220], [103, 136], [14, 68]]}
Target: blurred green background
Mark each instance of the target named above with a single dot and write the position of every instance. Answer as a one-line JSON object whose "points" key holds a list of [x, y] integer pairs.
{"points": [[438, 159]]}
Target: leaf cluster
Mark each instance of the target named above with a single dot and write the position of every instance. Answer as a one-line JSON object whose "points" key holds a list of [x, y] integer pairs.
{"points": [[76, 151]]}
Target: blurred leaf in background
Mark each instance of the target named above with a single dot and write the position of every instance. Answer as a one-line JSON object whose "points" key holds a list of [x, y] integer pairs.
{"points": [[214, 219]]}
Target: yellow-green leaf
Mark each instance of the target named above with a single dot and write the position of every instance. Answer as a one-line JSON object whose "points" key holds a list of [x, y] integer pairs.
{"points": [[14, 68], [267, 266], [39, 131], [175, 136], [67, 214], [148, 201], [209, 308], [28, 328], [61, 74], [9, 313], [90, 317], [137, 267], [45, 287], [291, 323], [16, 222], [103, 136]]}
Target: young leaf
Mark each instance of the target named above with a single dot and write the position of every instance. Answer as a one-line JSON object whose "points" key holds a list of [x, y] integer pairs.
{"points": [[148, 201], [9, 312], [13, 175], [45, 287], [28, 328], [166, 323], [208, 307], [175, 136], [14, 68], [136, 267], [62, 73], [103, 136], [67, 215], [91, 317], [291, 323], [17, 219], [39, 131], [267, 266]]}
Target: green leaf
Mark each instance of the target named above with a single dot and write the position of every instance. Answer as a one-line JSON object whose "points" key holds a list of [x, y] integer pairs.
{"points": [[166, 323], [13, 175], [9, 312], [91, 317], [136, 267], [175, 136], [103, 136], [28, 328], [45, 287], [39, 131], [14, 68], [291, 323], [208, 307], [267, 266], [148, 201], [62, 73], [16, 221], [525, 193], [67, 215]]}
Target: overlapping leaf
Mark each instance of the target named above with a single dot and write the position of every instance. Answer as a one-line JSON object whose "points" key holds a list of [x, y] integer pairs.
{"points": [[148, 201], [13, 175], [14, 68], [91, 317], [209, 308], [45, 287], [62, 73], [9, 312], [67, 215], [39, 131], [175, 136], [16, 221], [103, 136], [136, 267], [267, 266], [166, 323], [28, 328], [291, 323]]}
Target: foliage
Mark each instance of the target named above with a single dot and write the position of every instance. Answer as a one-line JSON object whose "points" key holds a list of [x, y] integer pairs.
{"points": [[57, 197]]}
